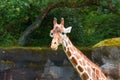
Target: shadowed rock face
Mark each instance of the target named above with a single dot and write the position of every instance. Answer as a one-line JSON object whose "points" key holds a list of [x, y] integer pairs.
{"points": [[29, 64], [112, 70], [109, 60]]}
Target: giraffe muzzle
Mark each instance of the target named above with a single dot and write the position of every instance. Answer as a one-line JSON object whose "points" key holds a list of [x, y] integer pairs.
{"points": [[53, 47]]}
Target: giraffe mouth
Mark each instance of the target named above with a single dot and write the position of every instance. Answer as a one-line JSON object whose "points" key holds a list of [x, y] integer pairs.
{"points": [[54, 47]]}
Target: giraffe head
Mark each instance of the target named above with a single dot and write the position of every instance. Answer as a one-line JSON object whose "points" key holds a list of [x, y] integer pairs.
{"points": [[58, 33]]}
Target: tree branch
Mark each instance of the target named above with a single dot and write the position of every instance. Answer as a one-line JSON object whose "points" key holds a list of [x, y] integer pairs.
{"points": [[39, 19]]}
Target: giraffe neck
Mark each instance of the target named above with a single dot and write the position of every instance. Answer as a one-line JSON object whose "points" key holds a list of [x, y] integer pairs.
{"points": [[85, 68]]}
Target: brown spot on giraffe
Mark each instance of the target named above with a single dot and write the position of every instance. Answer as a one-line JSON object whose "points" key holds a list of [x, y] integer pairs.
{"points": [[85, 76], [97, 74], [74, 61], [72, 50], [93, 69], [80, 69], [69, 43], [93, 74], [64, 48], [83, 62], [68, 53], [78, 56], [88, 69]]}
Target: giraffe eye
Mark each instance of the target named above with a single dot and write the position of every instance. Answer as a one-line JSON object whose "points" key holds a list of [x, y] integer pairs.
{"points": [[51, 34], [63, 33]]}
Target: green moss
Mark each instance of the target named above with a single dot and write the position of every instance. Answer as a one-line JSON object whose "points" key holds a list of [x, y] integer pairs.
{"points": [[25, 48], [108, 42], [6, 62], [36, 66]]}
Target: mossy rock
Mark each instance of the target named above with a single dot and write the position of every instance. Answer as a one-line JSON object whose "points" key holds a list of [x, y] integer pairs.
{"points": [[108, 42]]}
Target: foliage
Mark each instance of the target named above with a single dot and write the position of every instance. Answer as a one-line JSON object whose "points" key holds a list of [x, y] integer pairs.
{"points": [[15, 16], [91, 24]]}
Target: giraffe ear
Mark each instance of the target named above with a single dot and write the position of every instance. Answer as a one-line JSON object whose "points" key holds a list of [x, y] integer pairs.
{"points": [[68, 30]]}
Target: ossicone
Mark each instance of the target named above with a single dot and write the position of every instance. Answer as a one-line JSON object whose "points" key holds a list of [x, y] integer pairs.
{"points": [[62, 21], [55, 20]]}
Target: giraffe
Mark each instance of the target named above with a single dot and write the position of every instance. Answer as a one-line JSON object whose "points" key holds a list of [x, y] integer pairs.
{"points": [[86, 69]]}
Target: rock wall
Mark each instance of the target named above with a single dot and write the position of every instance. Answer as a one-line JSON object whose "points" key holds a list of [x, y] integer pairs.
{"points": [[33, 64], [37, 64], [109, 59]]}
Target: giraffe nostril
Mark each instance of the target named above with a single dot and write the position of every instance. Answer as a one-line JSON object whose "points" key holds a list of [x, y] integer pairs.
{"points": [[54, 42]]}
